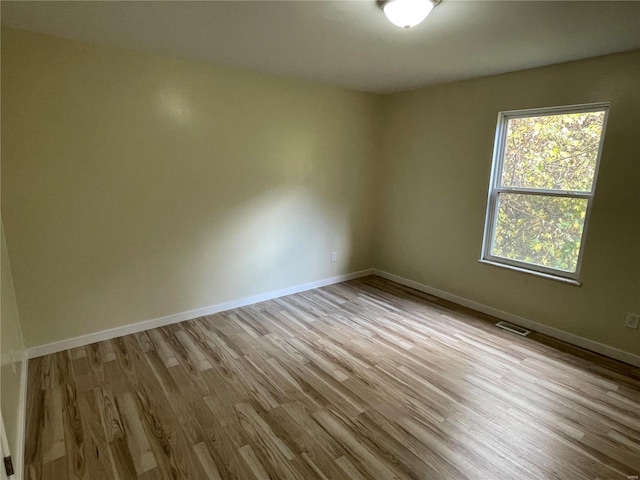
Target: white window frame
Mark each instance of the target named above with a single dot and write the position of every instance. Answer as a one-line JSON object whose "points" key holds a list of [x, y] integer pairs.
{"points": [[495, 189]]}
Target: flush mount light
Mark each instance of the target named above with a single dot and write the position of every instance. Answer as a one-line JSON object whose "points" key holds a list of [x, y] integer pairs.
{"points": [[407, 13]]}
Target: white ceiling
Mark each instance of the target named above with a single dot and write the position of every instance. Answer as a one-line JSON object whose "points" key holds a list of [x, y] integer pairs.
{"points": [[348, 43]]}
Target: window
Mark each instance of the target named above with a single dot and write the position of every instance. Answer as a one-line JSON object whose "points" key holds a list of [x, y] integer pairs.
{"points": [[545, 164]]}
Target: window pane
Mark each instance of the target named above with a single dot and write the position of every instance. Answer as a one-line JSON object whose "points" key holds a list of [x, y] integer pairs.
{"points": [[540, 230], [556, 152]]}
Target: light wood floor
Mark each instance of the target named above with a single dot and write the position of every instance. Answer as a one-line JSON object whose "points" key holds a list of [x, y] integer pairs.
{"points": [[361, 380]]}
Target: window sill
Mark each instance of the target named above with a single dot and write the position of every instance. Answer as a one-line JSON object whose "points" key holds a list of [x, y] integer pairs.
{"points": [[568, 281]]}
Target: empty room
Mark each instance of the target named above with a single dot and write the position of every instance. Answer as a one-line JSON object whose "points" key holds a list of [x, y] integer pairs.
{"points": [[359, 240]]}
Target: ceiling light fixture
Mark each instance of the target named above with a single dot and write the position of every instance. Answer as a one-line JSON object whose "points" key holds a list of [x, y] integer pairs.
{"points": [[408, 13]]}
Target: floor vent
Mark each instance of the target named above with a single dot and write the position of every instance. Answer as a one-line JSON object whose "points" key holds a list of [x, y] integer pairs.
{"points": [[513, 328]]}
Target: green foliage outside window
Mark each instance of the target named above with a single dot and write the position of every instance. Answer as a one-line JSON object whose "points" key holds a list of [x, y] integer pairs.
{"points": [[553, 152]]}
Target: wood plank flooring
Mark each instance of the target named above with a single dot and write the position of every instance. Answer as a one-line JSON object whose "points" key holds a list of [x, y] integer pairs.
{"points": [[364, 380]]}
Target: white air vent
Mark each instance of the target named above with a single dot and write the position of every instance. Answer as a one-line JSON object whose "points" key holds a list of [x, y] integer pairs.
{"points": [[513, 328]]}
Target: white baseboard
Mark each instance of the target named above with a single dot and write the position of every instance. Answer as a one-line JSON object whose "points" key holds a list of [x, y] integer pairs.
{"points": [[82, 340], [576, 340]]}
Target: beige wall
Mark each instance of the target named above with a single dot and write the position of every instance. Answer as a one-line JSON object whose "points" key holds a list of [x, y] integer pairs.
{"points": [[437, 151], [11, 353], [137, 186]]}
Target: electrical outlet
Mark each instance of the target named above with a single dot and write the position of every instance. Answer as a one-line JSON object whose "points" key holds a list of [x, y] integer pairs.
{"points": [[334, 256], [632, 320]]}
